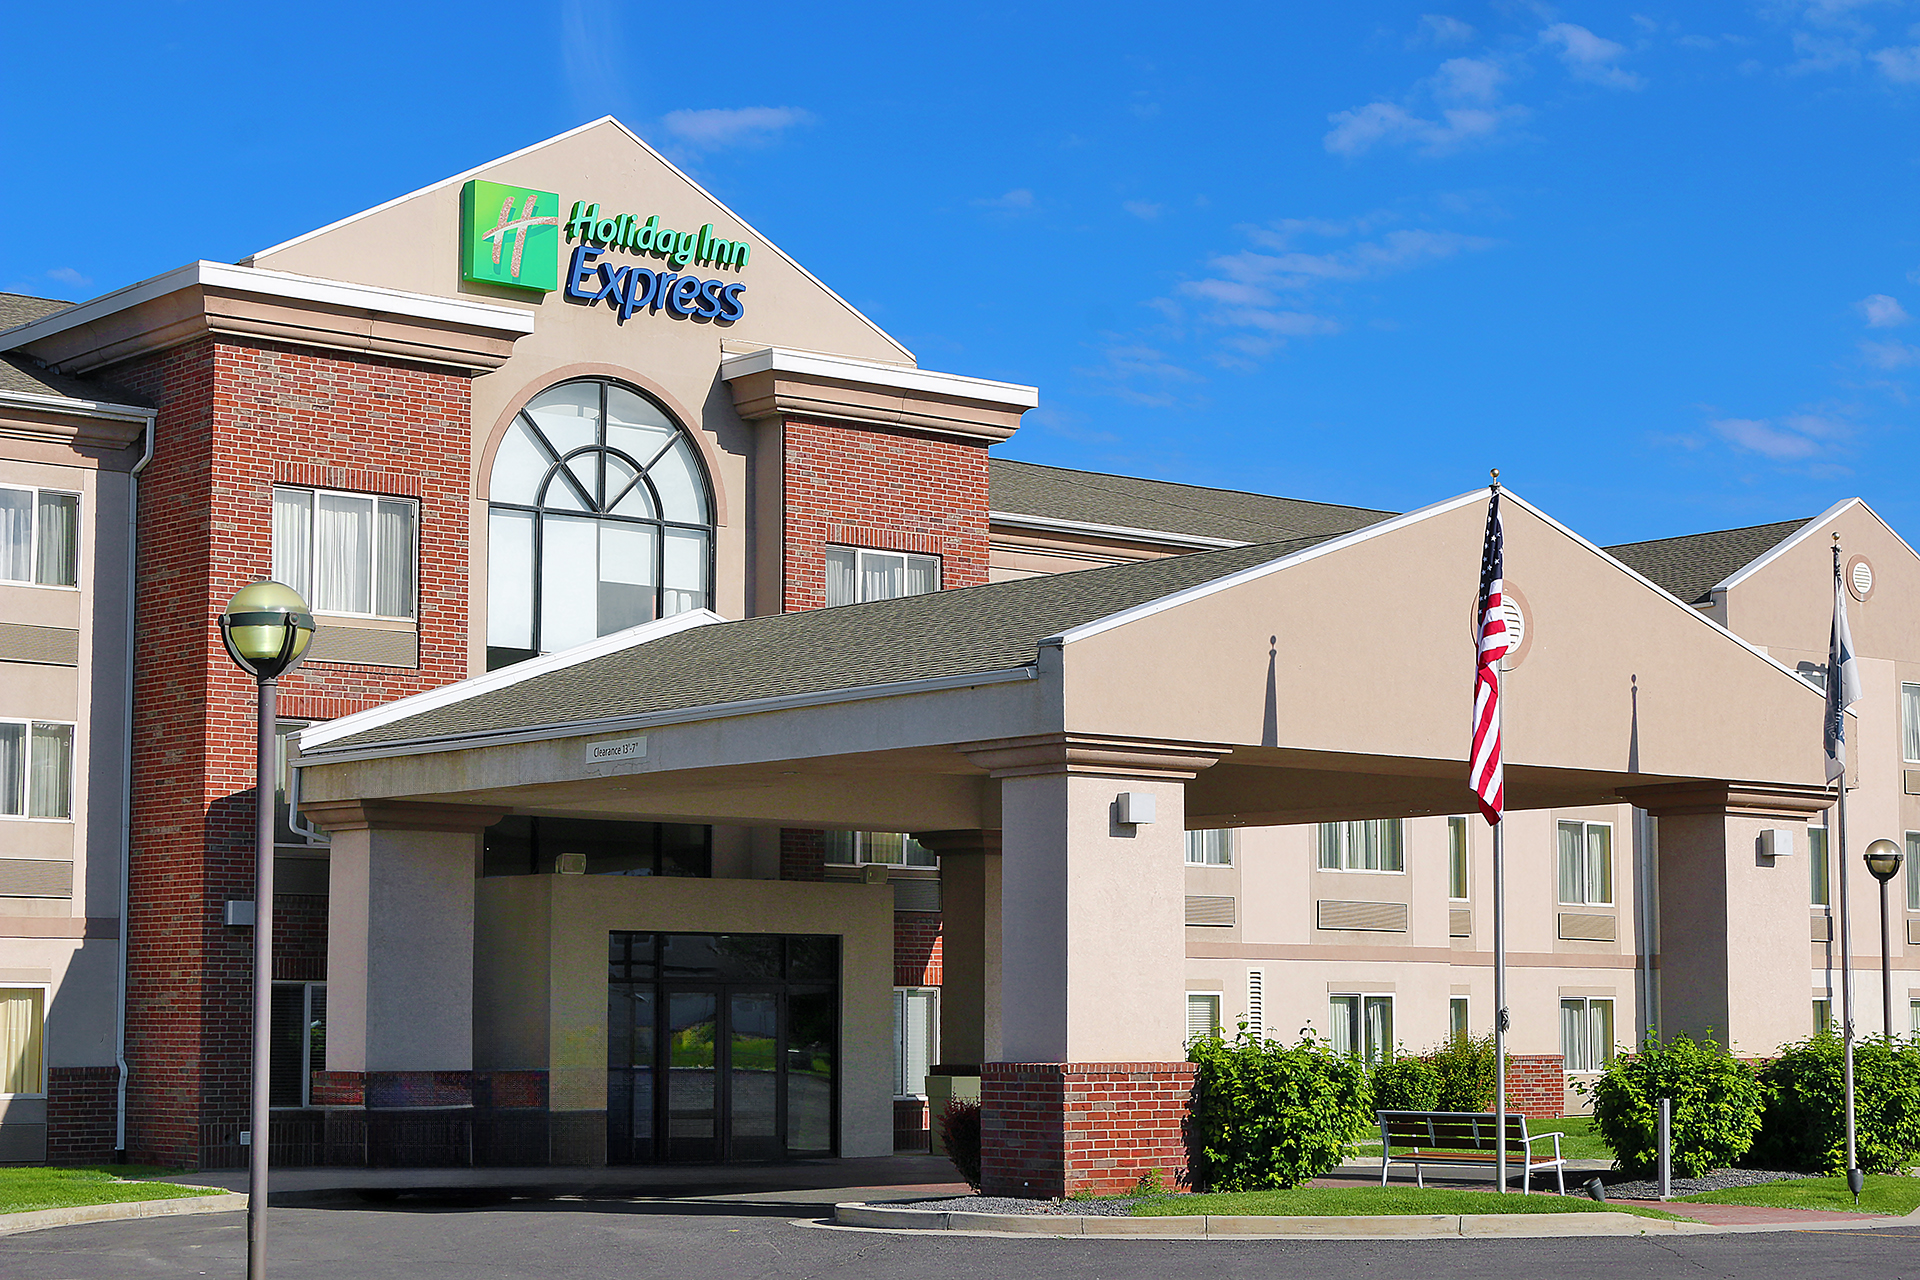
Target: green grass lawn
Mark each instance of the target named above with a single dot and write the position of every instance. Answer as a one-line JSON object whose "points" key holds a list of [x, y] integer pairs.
{"points": [[1580, 1140], [25, 1189], [1883, 1193], [1349, 1202]]}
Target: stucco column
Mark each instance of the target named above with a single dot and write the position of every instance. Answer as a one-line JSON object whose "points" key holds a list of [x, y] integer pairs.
{"points": [[1734, 945], [1090, 1086], [400, 957], [969, 944]]}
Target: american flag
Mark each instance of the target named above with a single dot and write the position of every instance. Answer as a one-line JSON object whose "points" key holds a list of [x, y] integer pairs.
{"points": [[1488, 776]]}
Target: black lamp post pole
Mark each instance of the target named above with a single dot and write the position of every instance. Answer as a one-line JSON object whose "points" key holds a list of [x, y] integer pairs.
{"points": [[262, 983], [1886, 963]]}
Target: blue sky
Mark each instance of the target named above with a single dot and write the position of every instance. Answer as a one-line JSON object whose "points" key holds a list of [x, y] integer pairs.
{"points": [[1658, 264]]}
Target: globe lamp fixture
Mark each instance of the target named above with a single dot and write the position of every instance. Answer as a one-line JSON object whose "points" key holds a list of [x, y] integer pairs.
{"points": [[1883, 860], [266, 628]]}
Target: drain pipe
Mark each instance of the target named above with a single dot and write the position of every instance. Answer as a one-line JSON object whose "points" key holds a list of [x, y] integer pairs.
{"points": [[126, 826], [1649, 921]]}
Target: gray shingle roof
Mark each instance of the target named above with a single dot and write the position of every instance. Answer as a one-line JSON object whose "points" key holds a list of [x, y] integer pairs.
{"points": [[1025, 488], [17, 373], [20, 308], [965, 631], [1690, 566]]}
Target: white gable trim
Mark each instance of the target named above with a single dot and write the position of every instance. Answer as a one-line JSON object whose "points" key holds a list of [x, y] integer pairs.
{"points": [[1160, 537], [72, 404], [1816, 525], [319, 735], [1012, 395], [479, 169]]}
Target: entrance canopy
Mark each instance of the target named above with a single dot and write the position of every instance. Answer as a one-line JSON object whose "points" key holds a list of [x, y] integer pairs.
{"points": [[1320, 678]]}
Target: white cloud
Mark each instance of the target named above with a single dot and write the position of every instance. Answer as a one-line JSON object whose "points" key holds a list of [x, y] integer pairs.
{"points": [[1469, 80], [1889, 355], [1760, 436], [593, 57], [1590, 57], [1018, 200], [1882, 312], [718, 127], [1125, 363], [67, 275], [1144, 210], [1356, 132], [1443, 29], [1902, 66], [1370, 259], [1822, 53]]}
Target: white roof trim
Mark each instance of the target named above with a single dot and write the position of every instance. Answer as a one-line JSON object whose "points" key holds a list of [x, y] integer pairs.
{"points": [[273, 284], [788, 360], [1047, 524], [73, 404], [460, 691], [1792, 540], [562, 137], [658, 719]]}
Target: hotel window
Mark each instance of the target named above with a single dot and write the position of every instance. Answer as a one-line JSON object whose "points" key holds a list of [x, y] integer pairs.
{"points": [[1362, 1024], [1822, 1017], [1910, 722], [1819, 867], [36, 769], [916, 1038], [885, 848], [23, 1020], [347, 553], [1458, 1027], [1586, 1034], [856, 575], [599, 518], [1586, 863], [1210, 848], [1457, 859], [39, 537], [296, 1042], [1203, 1016], [1378, 845], [1913, 870], [1913, 1011]]}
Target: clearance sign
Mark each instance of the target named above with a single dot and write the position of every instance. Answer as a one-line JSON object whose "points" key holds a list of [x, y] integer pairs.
{"points": [[512, 236]]}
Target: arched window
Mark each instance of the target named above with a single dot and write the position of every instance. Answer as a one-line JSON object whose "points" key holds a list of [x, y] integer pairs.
{"points": [[598, 518]]}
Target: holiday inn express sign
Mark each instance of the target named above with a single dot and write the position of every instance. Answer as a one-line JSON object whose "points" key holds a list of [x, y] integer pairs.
{"points": [[512, 236]]}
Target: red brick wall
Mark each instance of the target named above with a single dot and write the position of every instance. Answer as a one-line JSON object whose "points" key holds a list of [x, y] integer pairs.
{"points": [[1051, 1129], [299, 937], [82, 1104], [803, 855], [230, 415], [898, 490], [1536, 1084], [916, 949]]}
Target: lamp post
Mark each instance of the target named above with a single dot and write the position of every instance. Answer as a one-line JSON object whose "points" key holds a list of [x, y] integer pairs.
{"points": [[266, 628], [1883, 860]]}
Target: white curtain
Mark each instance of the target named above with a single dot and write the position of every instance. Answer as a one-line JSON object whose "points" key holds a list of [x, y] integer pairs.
{"points": [[1817, 866], [1600, 1034], [1457, 858], [1572, 864], [1573, 1042], [59, 554], [16, 535], [881, 576], [394, 559], [1599, 863], [50, 771], [1379, 1028], [843, 585], [293, 540], [21, 1018], [1343, 1018], [510, 579], [1913, 872], [569, 582], [923, 575], [1910, 721], [915, 1018], [684, 577], [13, 769], [625, 596], [343, 565]]}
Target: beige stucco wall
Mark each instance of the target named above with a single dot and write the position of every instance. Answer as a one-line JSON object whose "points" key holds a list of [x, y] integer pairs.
{"points": [[540, 964]]}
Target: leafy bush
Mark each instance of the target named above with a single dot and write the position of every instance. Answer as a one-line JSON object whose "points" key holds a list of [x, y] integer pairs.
{"points": [[1267, 1115], [1805, 1122], [1405, 1083], [1467, 1069], [1717, 1103], [960, 1134]]}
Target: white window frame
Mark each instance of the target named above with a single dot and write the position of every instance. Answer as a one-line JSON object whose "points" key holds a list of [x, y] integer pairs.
{"points": [[1203, 852], [1462, 830], [1211, 1000], [860, 557], [1358, 1028], [1913, 1012], [1823, 1014], [903, 997], [1346, 843], [1910, 722], [373, 549], [1586, 898], [1819, 868], [1586, 1019], [855, 849], [307, 1065], [46, 999], [33, 548], [26, 793], [1910, 872], [1466, 1027]]}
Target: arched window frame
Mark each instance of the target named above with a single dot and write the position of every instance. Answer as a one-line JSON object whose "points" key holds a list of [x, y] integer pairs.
{"points": [[599, 504]]}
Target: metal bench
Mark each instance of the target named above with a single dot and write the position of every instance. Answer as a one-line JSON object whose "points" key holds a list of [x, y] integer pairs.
{"points": [[1467, 1139]]}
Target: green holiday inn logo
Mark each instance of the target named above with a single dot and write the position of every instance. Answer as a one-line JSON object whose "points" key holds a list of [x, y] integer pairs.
{"points": [[510, 236]]}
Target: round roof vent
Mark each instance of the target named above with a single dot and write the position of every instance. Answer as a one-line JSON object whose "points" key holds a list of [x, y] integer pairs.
{"points": [[1513, 605], [1860, 578]]}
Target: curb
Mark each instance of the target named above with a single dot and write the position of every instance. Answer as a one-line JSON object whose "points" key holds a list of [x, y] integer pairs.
{"points": [[1203, 1226], [123, 1211]]}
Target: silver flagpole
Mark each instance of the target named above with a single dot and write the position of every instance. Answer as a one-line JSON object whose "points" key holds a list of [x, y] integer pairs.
{"points": [[1846, 910], [1500, 996]]}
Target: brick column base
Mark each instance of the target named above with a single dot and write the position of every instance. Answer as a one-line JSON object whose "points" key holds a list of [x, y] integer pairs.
{"points": [[1051, 1129], [1536, 1084]]}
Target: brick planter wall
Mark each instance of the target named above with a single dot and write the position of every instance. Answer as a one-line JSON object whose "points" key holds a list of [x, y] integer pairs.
{"points": [[1050, 1129], [81, 1110], [1536, 1085]]}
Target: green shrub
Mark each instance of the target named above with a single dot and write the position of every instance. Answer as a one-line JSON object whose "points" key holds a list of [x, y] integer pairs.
{"points": [[960, 1134], [1267, 1115], [1717, 1103], [1467, 1069], [1405, 1083], [1805, 1123]]}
